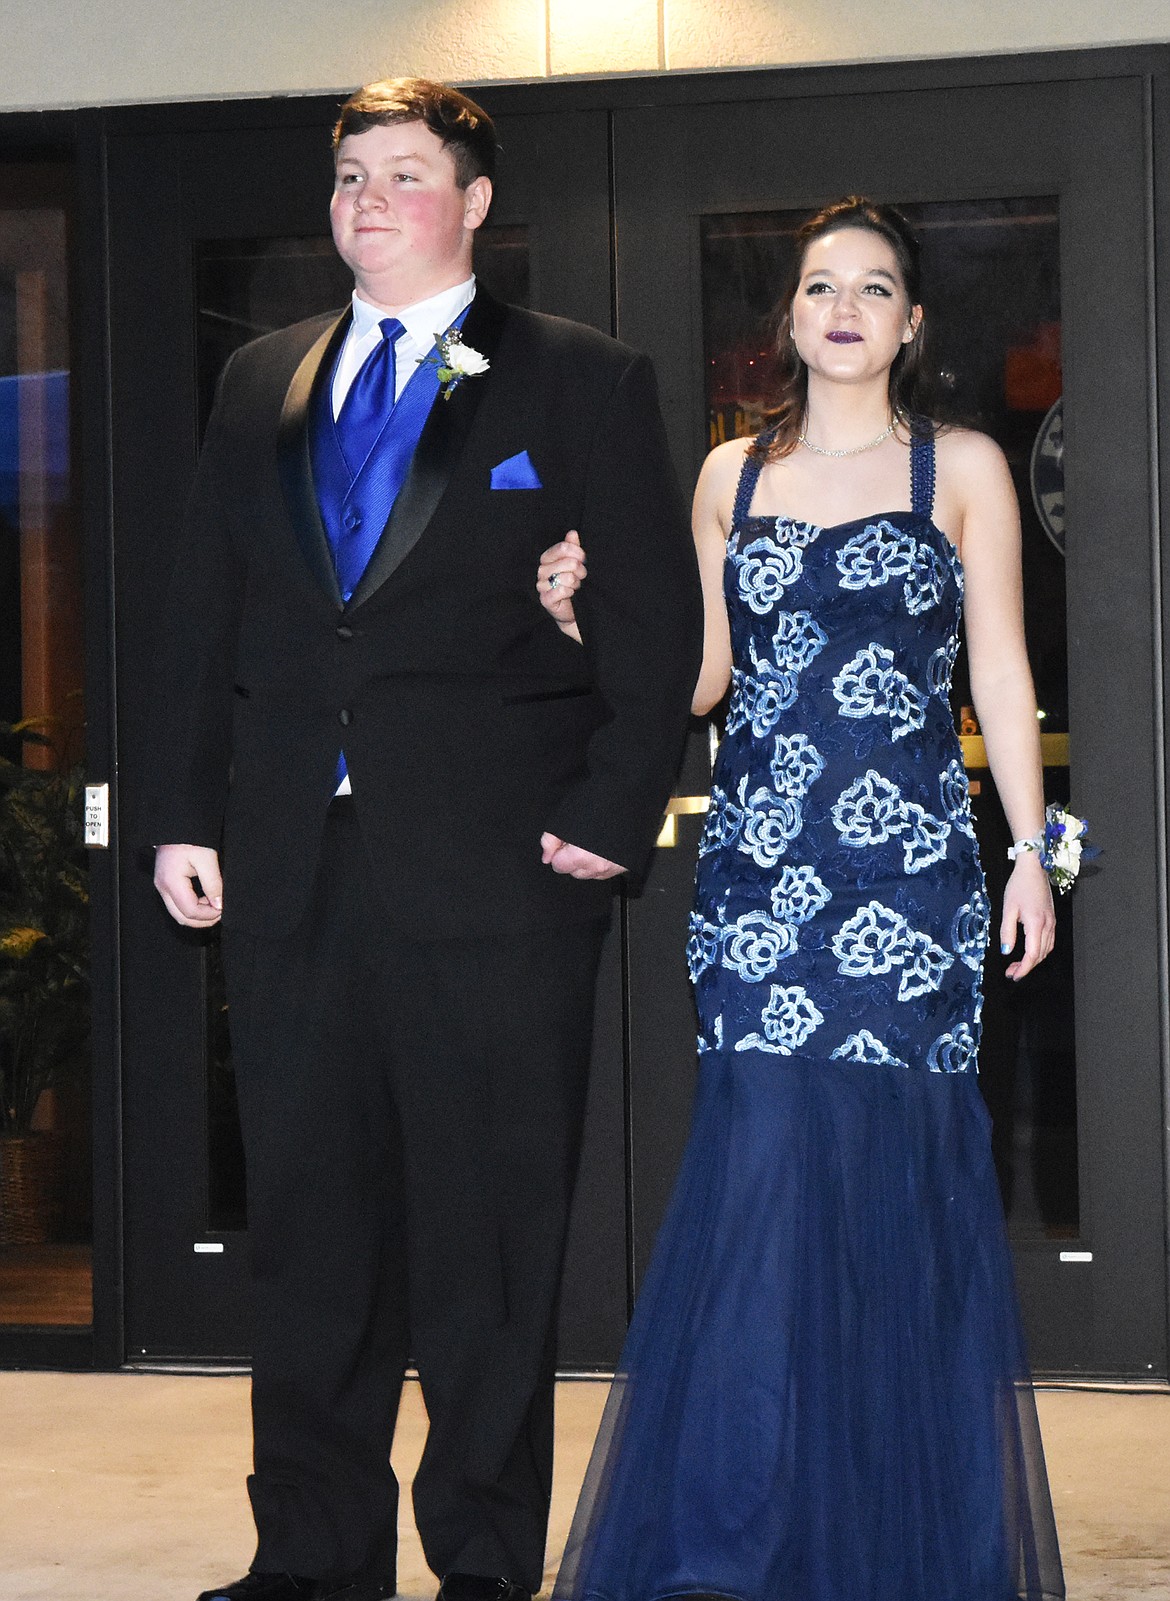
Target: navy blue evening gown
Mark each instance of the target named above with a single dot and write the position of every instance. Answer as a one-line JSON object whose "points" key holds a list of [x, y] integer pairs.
{"points": [[824, 1394]]}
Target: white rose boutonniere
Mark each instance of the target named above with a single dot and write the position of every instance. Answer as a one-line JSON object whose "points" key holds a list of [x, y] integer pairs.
{"points": [[455, 361]]}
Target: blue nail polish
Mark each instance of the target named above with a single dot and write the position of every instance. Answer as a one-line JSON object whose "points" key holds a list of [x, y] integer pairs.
{"points": [[1006, 949]]}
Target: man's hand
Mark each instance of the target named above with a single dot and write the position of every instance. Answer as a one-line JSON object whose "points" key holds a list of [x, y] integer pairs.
{"points": [[565, 858], [174, 868]]}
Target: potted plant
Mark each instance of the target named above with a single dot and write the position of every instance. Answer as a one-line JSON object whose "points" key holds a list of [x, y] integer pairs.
{"points": [[44, 972]]}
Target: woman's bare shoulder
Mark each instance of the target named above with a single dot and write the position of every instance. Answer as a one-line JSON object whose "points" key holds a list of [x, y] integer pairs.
{"points": [[722, 467], [718, 481], [728, 457], [965, 451]]}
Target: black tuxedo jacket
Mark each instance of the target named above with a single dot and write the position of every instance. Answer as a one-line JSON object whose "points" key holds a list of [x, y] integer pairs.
{"points": [[470, 723]]}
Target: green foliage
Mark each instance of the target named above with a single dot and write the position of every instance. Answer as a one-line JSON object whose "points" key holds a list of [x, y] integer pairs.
{"points": [[44, 928]]}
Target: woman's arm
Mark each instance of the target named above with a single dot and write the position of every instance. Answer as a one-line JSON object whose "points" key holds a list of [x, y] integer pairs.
{"points": [[710, 524], [1001, 679]]}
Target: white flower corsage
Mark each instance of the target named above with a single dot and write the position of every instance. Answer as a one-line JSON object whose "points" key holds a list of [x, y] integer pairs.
{"points": [[1061, 847], [455, 361]]}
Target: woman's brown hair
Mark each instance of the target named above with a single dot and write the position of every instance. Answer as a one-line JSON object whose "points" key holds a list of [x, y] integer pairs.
{"points": [[910, 386]]}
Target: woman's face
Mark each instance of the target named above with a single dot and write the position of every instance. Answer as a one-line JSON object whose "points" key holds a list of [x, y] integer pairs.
{"points": [[851, 313]]}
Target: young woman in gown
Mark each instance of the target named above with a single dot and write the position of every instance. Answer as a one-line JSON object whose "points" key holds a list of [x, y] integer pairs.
{"points": [[824, 1394]]}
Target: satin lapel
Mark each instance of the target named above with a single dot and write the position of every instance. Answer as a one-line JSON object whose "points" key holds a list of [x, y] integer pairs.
{"points": [[292, 454], [439, 448]]}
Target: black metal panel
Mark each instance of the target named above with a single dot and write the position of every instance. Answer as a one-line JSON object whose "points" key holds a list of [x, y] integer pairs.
{"points": [[1159, 140], [1116, 734], [1083, 142], [182, 1302], [1082, 126]]}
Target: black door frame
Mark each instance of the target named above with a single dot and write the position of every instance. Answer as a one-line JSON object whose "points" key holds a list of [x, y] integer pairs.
{"points": [[85, 134]]}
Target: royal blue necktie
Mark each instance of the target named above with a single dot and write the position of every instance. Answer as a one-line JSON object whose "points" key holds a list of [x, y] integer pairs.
{"points": [[370, 400]]}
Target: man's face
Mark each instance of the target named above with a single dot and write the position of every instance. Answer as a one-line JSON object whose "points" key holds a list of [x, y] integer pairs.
{"points": [[400, 221]]}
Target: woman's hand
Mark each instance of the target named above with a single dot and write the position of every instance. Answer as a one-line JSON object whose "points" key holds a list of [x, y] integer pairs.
{"points": [[1027, 904], [566, 563]]}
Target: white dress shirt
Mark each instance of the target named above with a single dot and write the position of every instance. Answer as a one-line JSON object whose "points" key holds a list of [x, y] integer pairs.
{"points": [[422, 322]]}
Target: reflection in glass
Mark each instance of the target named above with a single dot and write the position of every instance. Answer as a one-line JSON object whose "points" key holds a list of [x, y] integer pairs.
{"points": [[245, 288], [991, 277], [45, 1148]]}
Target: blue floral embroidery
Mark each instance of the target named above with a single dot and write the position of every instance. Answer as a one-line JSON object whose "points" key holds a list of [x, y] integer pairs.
{"points": [[906, 705], [924, 587], [798, 894], [796, 764], [765, 571], [754, 946], [759, 698], [788, 1020], [874, 940], [970, 930], [702, 945], [790, 532], [862, 686], [877, 554], [723, 822], [956, 797], [870, 686], [770, 823], [923, 967], [866, 1047], [869, 811], [941, 666], [954, 1052], [925, 839], [840, 825], [798, 639]]}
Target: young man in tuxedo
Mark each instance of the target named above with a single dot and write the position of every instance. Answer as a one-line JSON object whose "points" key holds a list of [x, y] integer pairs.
{"points": [[423, 793]]}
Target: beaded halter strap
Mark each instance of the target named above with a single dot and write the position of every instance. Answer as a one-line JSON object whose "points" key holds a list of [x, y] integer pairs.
{"points": [[749, 473], [922, 472]]}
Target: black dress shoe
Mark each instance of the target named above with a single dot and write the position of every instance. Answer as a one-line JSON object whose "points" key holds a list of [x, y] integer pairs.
{"points": [[263, 1587], [475, 1587], [289, 1587], [355, 1590]]}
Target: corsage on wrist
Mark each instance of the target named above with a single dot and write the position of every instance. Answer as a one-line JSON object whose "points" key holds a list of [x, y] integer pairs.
{"points": [[1060, 847]]}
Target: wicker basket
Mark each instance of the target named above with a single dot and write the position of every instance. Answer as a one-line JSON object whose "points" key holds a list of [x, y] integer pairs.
{"points": [[32, 1170]]}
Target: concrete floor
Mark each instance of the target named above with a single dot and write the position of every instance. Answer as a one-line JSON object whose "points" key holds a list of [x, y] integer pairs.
{"points": [[129, 1487]]}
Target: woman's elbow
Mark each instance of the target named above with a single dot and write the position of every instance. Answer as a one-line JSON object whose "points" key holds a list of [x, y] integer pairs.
{"points": [[707, 695]]}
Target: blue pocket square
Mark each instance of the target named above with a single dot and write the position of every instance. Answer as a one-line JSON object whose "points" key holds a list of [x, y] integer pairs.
{"points": [[516, 473]]}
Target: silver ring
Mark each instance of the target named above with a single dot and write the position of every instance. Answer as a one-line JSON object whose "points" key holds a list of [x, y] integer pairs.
{"points": [[554, 580]]}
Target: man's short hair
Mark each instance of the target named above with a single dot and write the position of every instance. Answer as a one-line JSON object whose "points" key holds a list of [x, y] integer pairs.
{"points": [[465, 128]]}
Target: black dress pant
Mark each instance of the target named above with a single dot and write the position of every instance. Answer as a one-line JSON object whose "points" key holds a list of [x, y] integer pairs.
{"points": [[412, 1116]]}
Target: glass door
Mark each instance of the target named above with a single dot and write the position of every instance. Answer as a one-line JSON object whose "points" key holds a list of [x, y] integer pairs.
{"points": [[209, 265], [1006, 187], [45, 1101]]}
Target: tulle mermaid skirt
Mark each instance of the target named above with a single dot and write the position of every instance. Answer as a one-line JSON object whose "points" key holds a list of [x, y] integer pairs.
{"points": [[824, 1394]]}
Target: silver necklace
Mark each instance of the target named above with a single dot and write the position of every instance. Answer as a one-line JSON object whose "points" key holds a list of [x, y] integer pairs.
{"points": [[854, 450]]}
